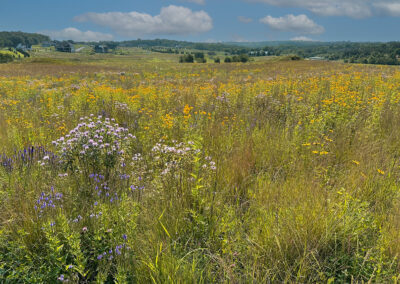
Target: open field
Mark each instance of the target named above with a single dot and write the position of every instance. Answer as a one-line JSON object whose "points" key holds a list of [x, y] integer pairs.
{"points": [[265, 172]]}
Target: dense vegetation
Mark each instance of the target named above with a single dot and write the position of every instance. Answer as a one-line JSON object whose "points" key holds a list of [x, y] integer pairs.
{"points": [[127, 170], [6, 57], [352, 52], [12, 39]]}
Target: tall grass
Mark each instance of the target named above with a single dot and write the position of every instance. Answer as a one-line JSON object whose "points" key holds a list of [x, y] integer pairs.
{"points": [[253, 173]]}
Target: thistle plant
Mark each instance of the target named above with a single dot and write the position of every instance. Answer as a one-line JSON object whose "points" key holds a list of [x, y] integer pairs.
{"points": [[94, 145]]}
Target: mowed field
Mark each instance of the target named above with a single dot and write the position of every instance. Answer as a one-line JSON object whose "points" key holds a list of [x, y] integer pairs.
{"points": [[138, 169]]}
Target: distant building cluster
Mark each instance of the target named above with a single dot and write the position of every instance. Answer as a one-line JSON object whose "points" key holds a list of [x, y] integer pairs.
{"points": [[65, 46]]}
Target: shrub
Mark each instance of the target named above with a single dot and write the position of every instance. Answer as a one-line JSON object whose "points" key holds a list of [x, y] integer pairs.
{"points": [[94, 144], [5, 58], [187, 58]]}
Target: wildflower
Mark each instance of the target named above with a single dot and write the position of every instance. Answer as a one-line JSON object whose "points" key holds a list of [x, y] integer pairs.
{"points": [[381, 172], [84, 229], [100, 256], [61, 278], [125, 237]]}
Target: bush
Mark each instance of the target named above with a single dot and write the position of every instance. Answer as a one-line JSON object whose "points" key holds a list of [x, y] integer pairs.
{"points": [[187, 58], [199, 55], [201, 60], [5, 58], [93, 144]]}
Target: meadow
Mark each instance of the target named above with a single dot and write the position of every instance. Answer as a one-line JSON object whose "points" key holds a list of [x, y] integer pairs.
{"points": [[138, 169]]}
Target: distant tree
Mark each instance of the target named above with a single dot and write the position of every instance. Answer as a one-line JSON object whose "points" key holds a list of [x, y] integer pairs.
{"points": [[12, 39], [198, 55], [26, 54], [228, 60], [5, 57], [187, 58], [244, 58], [217, 60]]}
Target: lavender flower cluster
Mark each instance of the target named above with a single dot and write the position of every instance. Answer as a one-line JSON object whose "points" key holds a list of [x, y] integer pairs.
{"points": [[26, 157], [95, 139], [102, 189], [48, 201], [116, 251]]}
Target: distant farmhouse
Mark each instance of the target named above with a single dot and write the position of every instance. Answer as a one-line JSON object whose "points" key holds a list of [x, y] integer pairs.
{"points": [[65, 46], [100, 49]]}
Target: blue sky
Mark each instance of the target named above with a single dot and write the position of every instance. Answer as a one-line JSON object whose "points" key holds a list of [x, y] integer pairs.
{"points": [[206, 20]]}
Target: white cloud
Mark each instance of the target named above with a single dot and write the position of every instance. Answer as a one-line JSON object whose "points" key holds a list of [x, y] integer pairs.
{"points": [[172, 20], [245, 19], [301, 38], [200, 2], [291, 23], [349, 8], [388, 8], [77, 35]]}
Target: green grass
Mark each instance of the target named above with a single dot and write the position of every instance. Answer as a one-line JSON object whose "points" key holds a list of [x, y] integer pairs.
{"points": [[305, 187]]}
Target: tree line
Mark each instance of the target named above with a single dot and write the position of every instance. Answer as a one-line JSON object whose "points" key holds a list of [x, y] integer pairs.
{"points": [[12, 39], [351, 52]]}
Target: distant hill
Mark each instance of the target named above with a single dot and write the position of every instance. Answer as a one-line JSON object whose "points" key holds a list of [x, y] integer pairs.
{"points": [[260, 44], [12, 39], [174, 44]]}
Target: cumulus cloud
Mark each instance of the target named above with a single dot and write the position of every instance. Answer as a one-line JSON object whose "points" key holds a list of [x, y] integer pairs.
{"points": [[245, 19], [291, 23], [172, 20], [301, 38], [388, 8], [77, 35], [349, 8], [200, 2]]}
